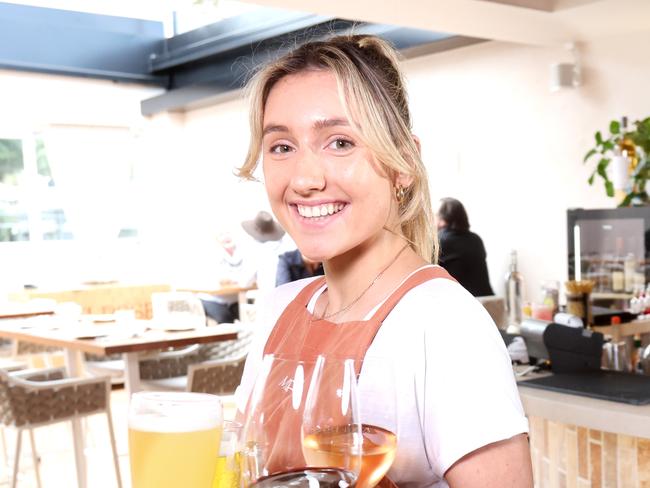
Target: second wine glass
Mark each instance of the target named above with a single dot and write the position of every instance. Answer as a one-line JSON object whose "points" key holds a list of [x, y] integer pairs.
{"points": [[378, 404]]}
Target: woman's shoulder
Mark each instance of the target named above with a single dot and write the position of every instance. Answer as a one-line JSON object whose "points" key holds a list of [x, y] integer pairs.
{"points": [[442, 300]]}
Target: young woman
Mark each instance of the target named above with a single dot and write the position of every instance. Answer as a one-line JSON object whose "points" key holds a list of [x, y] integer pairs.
{"points": [[343, 173]]}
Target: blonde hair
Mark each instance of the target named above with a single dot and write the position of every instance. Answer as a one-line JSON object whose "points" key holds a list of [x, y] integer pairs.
{"points": [[372, 88]]}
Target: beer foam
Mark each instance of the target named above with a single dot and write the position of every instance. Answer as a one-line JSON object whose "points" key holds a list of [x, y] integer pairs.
{"points": [[175, 412]]}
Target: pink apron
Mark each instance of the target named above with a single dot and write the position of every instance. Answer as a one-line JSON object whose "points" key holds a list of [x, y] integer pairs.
{"points": [[299, 335]]}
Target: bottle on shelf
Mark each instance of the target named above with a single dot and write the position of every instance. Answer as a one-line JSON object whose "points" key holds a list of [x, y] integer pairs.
{"points": [[629, 270], [514, 292], [616, 267]]}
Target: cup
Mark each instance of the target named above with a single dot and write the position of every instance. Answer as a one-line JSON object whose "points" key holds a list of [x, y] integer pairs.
{"points": [[542, 311], [551, 294], [174, 439], [616, 357], [228, 472], [578, 304]]}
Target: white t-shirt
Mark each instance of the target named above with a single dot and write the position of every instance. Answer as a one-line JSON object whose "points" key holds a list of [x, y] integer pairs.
{"points": [[456, 391]]}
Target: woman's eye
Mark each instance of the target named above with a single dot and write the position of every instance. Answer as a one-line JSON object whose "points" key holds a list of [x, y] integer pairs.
{"points": [[341, 144], [280, 149]]}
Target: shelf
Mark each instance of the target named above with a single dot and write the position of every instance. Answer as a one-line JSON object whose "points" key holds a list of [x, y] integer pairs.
{"points": [[610, 296], [626, 329]]}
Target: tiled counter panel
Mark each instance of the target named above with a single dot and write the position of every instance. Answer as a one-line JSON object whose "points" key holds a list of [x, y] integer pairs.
{"points": [[577, 457], [578, 442]]}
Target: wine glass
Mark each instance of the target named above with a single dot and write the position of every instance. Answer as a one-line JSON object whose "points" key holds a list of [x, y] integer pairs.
{"points": [[331, 429], [293, 406], [377, 392]]}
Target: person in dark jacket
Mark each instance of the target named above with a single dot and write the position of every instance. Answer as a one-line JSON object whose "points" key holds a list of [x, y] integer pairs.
{"points": [[462, 252], [294, 266]]}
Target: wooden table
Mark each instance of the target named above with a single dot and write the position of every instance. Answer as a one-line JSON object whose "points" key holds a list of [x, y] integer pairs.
{"points": [[53, 331], [22, 310], [213, 289]]}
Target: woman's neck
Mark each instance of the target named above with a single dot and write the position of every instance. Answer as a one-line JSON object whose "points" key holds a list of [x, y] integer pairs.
{"points": [[350, 274]]}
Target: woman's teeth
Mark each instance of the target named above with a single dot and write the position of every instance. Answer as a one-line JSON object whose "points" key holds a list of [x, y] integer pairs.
{"points": [[320, 210]]}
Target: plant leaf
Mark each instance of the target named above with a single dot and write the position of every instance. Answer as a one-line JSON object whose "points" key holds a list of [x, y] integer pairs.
{"points": [[626, 201], [609, 188], [602, 168], [608, 145], [614, 127], [589, 154], [599, 138], [591, 178]]}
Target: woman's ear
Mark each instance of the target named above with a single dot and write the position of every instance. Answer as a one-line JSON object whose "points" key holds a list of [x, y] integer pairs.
{"points": [[416, 140], [403, 181]]}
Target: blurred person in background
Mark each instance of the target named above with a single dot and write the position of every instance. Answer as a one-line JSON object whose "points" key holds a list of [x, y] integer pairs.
{"points": [[232, 270], [292, 266], [462, 252]]}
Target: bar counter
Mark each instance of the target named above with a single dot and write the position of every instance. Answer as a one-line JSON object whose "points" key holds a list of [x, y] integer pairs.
{"points": [[583, 442]]}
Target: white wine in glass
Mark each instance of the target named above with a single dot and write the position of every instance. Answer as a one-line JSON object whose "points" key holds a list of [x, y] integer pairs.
{"points": [[378, 413]]}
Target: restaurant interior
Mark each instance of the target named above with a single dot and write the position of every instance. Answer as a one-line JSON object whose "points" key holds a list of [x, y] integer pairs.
{"points": [[122, 125]]}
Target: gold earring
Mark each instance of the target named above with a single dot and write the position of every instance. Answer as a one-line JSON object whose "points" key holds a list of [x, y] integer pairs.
{"points": [[400, 192]]}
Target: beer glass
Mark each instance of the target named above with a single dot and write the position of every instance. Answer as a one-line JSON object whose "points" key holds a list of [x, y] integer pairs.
{"points": [[228, 470], [174, 439]]}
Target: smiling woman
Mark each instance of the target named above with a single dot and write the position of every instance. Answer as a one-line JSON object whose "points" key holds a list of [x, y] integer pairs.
{"points": [[344, 177]]}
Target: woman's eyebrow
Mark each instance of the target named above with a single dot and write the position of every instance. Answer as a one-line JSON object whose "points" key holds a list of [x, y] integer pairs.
{"points": [[325, 123], [274, 128], [318, 125]]}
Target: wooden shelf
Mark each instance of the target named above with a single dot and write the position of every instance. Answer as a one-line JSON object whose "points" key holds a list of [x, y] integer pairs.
{"points": [[626, 329], [610, 296]]}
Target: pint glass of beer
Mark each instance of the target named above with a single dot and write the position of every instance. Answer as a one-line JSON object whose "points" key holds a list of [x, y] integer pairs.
{"points": [[174, 439]]}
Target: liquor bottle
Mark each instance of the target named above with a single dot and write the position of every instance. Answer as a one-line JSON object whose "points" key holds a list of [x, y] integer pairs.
{"points": [[628, 148], [514, 292]]}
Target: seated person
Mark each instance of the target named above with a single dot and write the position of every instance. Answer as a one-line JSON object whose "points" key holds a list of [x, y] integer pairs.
{"points": [[294, 266], [232, 271], [462, 252]]}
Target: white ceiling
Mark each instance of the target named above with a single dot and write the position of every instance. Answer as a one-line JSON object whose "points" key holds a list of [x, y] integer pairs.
{"points": [[535, 22]]}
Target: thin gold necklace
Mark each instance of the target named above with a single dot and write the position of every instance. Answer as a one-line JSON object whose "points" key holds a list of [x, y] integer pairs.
{"points": [[349, 305]]}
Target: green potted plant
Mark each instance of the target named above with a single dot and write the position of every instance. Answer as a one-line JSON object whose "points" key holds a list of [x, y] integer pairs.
{"points": [[637, 144]]}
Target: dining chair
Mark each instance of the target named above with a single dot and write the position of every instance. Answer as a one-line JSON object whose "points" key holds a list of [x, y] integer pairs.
{"points": [[218, 377], [8, 365], [177, 310], [248, 305], [496, 307], [169, 370], [34, 398]]}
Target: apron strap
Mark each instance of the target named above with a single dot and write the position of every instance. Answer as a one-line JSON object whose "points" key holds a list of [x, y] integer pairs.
{"points": [[417, 278]]}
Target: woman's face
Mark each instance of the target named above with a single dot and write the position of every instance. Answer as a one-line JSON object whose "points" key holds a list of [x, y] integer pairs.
{"points": [[324, 185]]}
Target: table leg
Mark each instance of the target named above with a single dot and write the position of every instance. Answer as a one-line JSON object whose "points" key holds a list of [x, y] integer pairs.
{"points": [[131, 373], [72, 362]]}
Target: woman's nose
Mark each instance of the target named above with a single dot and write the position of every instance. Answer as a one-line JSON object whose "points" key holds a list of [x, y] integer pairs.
{"points": [[309, 175]]}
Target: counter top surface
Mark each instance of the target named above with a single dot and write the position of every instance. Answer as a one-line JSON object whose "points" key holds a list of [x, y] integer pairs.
{"points": [[583, 411]]}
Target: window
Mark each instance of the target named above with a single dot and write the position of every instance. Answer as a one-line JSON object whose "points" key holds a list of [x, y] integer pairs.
{"points": [[69, 182]]}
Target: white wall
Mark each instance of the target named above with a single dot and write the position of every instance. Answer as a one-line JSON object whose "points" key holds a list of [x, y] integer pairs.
{"points": [[31, 102], [495, 137]]}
